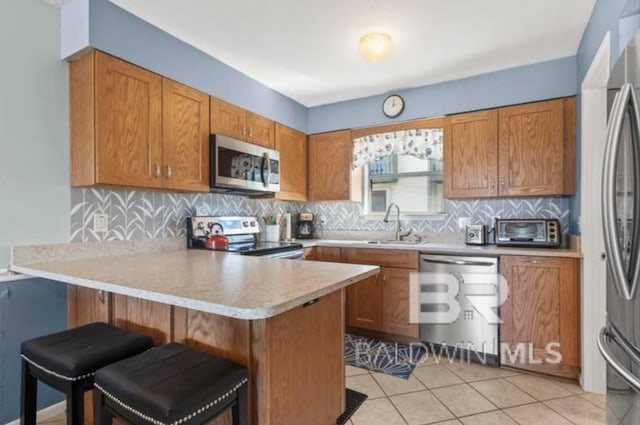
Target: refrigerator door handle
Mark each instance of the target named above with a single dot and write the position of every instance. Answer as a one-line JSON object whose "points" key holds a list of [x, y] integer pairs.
{"points": [[623, 372], [626, 96]]}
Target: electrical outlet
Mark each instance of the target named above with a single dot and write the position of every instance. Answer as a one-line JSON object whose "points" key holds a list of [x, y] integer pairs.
{"points": [[463, 222], [101, 223]]}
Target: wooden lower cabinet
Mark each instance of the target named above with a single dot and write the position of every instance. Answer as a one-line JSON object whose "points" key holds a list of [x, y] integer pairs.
{"points": [[278, 351], [145, 317], [395, 302], [541, 315], [364, 304]]}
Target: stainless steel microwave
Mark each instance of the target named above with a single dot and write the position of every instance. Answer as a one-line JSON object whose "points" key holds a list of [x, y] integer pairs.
{"points": [[240, 167], [534, 232]]}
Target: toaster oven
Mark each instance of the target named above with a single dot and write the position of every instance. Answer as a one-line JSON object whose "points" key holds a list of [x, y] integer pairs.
{"points": [[539, 232]]}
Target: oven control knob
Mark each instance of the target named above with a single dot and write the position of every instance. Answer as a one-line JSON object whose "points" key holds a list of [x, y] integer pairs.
{"points": [[253, 224], [245, 224]]}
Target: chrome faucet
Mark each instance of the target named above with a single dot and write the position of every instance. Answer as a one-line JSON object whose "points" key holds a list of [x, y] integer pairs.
{"points": [[399, 235]]}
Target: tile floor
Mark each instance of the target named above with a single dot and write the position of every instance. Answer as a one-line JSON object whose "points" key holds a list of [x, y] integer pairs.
{"points": [[471, 394], [467, 394]]}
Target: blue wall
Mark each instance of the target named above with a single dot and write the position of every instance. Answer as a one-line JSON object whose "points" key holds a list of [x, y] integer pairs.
{"points": [[116, 31], [528, 83], [28, 308], [605, 18]]}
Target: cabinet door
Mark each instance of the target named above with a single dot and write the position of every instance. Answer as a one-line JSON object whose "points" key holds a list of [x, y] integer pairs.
{"points": [[532, 149], [292, 146], [471, 156], [85, 305], [260, 130], [128, 103], [364, 308], [395, 302], [185, 137], [330, 159], [143, 316], [542, 308], [227, 119]]}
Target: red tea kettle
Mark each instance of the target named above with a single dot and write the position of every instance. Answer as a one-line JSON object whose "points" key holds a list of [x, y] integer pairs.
{"points": [[217, 239]]}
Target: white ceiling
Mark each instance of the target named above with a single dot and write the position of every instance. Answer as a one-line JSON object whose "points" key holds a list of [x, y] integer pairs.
{"points": [[308, 49]]}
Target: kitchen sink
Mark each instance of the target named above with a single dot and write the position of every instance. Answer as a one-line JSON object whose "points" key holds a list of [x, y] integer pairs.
{"points": [[394, 242]]}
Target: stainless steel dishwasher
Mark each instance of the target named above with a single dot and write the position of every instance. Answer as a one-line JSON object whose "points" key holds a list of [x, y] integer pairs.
{"points": [[460, 315]]}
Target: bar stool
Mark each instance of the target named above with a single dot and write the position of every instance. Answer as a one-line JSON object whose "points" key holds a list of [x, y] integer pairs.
{"points": [[170, 385], [67, 361]]}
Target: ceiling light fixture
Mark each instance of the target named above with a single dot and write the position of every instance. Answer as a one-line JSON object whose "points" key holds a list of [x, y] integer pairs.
{"points": [[375, 46]]}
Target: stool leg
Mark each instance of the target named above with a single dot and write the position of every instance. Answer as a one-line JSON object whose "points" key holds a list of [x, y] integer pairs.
{"points": [[75, 405], [240, 410], [101, 415], [28, 396]]}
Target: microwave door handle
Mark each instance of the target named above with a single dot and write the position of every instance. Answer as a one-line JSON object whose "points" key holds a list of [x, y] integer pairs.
{"points": [[268, 160], [612, 244], [621, 370]]}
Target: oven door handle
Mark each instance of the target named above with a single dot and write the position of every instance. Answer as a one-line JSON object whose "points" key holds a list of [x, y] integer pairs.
{"points": [[605, 350], [455, 262]]}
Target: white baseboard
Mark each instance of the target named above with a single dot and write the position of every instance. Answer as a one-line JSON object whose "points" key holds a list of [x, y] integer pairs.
{"points": [[47, 413]]}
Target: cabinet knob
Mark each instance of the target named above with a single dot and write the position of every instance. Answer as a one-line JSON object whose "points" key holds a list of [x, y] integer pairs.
{"points": [[101, 296], [244, 130], [157, 172], [169, 172], [503, 182], [250, 132], [493, 184]]}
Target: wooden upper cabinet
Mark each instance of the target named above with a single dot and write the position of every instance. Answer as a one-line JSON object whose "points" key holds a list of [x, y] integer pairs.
{"points": [[233, 121], [395, 302], [260, 130], [330, 159], [542, 308], [228, 120], [128, 123], [132, 128], [471, 156], [532, 149], [185, 137], [523, 150], [292, 146]]}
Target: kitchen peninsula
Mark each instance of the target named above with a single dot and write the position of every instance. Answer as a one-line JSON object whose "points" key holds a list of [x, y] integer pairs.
{"points": [[283, 319]]}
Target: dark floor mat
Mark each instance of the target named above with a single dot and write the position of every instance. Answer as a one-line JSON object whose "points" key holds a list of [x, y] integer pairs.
{"points": [[353, 400]]}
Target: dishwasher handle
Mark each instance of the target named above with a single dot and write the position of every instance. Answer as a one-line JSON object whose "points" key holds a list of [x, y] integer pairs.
{"points": [[456, 262]]}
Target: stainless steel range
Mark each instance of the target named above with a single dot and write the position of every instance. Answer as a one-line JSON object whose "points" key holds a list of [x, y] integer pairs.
{"points": [[242, 234]]}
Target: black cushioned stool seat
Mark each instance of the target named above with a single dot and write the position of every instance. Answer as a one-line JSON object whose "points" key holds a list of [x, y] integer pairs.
{"points": [[67, 361], [171, 385]]}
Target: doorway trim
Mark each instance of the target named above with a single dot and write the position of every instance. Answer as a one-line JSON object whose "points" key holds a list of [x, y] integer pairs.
{"points": [[594, 269]]}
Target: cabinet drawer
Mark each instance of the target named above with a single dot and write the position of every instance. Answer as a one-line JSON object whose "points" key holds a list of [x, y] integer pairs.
{"points": [[381, 257], [323, 253]]}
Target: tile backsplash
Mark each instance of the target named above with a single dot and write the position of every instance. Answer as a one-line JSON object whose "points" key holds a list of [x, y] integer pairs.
{"points": [[149, 215]]}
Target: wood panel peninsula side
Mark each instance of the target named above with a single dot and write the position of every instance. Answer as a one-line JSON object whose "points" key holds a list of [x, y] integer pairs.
{"points": [[283, 319]]}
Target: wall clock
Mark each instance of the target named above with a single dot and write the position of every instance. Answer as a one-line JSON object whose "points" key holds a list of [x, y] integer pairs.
{"points": [[393, 106]]}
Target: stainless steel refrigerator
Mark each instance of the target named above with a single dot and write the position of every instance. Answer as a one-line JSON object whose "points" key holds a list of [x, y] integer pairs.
{"points": [[619, 341]]}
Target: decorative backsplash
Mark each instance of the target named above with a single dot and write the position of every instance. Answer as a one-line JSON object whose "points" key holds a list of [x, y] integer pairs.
{"points": [[150, 215]]}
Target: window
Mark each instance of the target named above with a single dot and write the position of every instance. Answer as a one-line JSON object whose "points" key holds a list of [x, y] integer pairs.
{"points": [[405, 168]]}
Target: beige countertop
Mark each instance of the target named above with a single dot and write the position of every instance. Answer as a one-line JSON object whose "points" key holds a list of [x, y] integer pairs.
{"points": [[215, 282], [452, 248]]}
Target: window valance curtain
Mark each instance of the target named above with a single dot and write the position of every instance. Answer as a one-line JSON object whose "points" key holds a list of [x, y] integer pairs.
{"points": [[421, 143]]}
